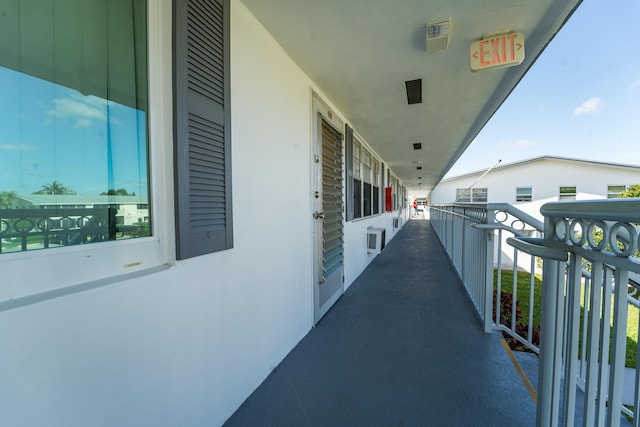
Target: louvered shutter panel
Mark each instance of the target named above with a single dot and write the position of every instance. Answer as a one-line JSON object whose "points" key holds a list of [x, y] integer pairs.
{"points": [[348, 154], [202, 127]]}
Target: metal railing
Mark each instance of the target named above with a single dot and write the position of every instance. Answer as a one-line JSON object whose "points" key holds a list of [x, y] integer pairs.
{"points": [[26, 229], [589, 251], [474, 236], [470, 250]]}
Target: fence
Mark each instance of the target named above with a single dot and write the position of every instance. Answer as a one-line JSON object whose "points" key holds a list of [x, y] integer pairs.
{"points": [[590, 251]]}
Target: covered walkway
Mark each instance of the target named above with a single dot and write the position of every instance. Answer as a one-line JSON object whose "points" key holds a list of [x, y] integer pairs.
{"points": [[402, 347]]}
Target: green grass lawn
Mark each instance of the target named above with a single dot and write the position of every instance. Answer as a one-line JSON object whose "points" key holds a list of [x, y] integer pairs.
{"points": [[523, 289], [523, 292]]}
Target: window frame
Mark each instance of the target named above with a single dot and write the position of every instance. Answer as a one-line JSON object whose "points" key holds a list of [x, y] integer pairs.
{"points": [[472, 194], [70, 269], [363, 175]]}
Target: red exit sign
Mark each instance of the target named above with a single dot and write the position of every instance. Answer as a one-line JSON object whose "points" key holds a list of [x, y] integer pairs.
{"points": [[505, 50]]}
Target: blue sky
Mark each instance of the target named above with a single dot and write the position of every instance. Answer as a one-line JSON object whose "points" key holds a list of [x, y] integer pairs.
{"points": [[580, 99], [54, 133]]}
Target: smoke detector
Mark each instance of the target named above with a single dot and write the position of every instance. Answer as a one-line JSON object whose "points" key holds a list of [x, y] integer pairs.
{"points": [[438, 35]]}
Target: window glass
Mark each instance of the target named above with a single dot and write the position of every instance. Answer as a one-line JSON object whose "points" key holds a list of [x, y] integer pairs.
{"points": [[366, 157], [614, 191], [376, 187], [567, 193], [357, 198], [473, 195], [479, 195], [376, 173], [367, 198], [463, 195], [524, 194], [376, 200], [366, 178], [73, 124], [394, 186], [356, 160]]}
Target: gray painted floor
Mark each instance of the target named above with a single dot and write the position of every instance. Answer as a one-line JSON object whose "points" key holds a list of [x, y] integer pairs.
{"points": [[402, 347]]}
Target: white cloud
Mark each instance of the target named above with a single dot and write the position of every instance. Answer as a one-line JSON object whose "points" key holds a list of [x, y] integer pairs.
{"points": [[16, 147], [590, 106], [521, 144], [84, 110], [635, 84]]}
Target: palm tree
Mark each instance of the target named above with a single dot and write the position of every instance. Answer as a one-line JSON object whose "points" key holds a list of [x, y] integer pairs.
{"points": [[6, 199], [55, 188]]}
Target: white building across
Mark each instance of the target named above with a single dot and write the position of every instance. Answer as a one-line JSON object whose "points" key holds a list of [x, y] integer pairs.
{"points": [[528, 184]]}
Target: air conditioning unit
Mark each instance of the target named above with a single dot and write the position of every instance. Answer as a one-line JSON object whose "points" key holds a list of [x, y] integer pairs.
{"points": [[375, 239], [396, 222]]}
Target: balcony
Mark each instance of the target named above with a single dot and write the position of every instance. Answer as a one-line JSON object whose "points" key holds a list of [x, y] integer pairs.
{"points": [[403, 345], [414, 340]]}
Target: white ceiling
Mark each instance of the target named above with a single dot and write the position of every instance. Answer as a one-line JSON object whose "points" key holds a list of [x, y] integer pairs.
{"points": [[360, 53]]}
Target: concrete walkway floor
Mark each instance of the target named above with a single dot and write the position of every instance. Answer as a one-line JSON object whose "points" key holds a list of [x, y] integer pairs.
{"points": [[402, 347]]}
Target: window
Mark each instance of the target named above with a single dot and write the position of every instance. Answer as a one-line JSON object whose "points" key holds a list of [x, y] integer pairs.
{"points": [[83, 71], [73, 119], [614, 191], [524, 194], [463, 195], [471, 195], [376, 187], [363, 179], [567, 193], [479, 195], [202, 127], [394, 191]]}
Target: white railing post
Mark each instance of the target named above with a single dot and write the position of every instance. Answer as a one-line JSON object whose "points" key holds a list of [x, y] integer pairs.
{"points": [[488, 274], [550, 349], [573, 332], [620, 313]]}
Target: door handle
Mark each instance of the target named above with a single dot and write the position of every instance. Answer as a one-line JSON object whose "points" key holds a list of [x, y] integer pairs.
{"points": [[318, 215]]}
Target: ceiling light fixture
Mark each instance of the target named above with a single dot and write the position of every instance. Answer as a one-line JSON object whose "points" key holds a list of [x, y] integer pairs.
{"points": [[414, 91], [438, 35]]}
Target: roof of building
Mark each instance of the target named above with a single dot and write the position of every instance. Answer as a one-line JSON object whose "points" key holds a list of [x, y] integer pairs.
{"points": [[541, 158]]}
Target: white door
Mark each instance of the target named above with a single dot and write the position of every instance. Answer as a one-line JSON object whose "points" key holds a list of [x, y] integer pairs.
{"points": [[328, 214]]}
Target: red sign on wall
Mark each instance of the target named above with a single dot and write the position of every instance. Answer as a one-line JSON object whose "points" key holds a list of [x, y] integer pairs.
{"points": [[388, 199]]}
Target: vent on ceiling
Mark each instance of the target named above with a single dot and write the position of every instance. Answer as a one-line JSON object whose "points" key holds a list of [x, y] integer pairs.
{"points": [[414, 91], [419, 168], [417, 146], [438, 35]]}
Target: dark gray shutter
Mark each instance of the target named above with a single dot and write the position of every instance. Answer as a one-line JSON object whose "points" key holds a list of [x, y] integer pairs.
{"points": [[348, 157], [202, 127]]}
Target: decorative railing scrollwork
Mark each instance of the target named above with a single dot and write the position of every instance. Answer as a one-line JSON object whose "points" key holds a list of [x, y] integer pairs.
{"points": [[30, 229]]}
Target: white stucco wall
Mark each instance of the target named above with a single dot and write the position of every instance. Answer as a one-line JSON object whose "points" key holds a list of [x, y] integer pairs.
{"points": [[545, 176], [187, 344]]}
